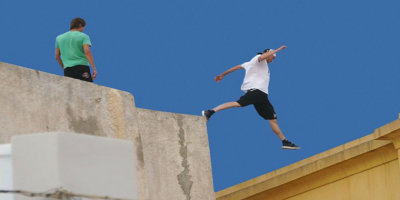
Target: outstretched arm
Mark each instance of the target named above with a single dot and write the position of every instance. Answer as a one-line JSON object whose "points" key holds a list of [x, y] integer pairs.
{"points": [[268, 54], [58, 58], [221, 76]]}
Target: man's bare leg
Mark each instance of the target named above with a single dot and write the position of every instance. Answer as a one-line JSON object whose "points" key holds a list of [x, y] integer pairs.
{"points": [[285, 143], [275, 128], [226, 106], [209, 113]]}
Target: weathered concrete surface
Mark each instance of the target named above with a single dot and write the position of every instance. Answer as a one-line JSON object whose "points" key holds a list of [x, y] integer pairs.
{"points": [[173, 160], [176, 155], [33, 101]]}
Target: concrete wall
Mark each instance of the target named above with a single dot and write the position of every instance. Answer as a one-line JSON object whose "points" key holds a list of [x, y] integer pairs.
{"points": [[173, 158], [367, 169], [33, 101], [176, 153]]}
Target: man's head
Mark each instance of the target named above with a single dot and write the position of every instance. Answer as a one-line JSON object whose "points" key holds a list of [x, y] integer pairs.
{"points": [[270, 58], [78, 24]]}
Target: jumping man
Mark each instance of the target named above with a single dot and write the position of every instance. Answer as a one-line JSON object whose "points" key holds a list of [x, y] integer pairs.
{"points": [[255, 84]]}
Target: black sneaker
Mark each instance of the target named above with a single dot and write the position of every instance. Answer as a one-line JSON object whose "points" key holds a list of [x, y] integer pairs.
{"points": [[207, 113], [286, 144]]}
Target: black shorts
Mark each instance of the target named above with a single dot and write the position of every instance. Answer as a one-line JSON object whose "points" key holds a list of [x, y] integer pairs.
{"points": [[81, 72], [261, 103]]}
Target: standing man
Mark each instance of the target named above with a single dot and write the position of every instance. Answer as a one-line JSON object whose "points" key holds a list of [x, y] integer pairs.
{"points": [[255, 84], [74, 48]]}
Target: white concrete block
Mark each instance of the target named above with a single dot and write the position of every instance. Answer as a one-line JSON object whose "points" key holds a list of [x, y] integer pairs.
{"points": [[6, 178], [77, 163]]}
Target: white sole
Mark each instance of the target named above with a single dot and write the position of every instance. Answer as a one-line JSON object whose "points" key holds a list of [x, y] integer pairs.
{"points": [[203, 114], [292, 148]]}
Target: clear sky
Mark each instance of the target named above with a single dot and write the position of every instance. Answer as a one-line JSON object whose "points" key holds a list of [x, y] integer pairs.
{"points": [[337, 81]]}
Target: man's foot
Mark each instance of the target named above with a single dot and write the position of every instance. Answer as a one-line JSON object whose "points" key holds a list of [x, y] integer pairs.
{"points": [[286, 144], [207, 113]]}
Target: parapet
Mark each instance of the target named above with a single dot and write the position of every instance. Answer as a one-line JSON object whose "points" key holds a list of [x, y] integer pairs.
{"points": [[172, 151]]}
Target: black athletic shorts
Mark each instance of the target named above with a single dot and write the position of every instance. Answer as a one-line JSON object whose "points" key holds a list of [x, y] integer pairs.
{"points": [[81, 72], [261, 103]]}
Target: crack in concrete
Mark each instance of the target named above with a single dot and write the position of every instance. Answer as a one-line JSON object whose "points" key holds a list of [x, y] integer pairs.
{"points": [[139, 151], [184, 178]]}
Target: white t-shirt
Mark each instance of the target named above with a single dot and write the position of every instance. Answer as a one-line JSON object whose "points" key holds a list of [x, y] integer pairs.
{"points": [[257, 75]]}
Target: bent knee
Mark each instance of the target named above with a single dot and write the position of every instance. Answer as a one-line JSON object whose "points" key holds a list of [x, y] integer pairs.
{"points": [[273, 121]]}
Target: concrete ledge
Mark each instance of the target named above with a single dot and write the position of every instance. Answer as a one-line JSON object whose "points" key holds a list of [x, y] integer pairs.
{"points": [[36, 102]]}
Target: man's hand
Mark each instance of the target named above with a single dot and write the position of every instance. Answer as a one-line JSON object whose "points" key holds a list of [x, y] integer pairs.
{"points": [[218, 78], [89, 57], [58, 58], [94, 74], [282, 47], [221, 76]]}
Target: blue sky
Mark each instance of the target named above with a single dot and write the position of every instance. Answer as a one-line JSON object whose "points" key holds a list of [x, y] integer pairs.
{"points": [[337, 81]]}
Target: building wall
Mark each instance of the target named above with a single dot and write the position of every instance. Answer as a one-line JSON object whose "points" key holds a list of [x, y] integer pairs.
{"points": [[172, 149], [373, 175], [367, 168], [380, 182], [176, 152], [34, 101]]}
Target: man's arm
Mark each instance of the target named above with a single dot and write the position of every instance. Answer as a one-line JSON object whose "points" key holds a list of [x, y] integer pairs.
{"points": [[221, 76], [58, 58], [89, 57], [268, 54]]}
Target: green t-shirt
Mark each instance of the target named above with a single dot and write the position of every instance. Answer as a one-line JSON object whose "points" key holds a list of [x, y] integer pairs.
{"points": [[71, 48]]}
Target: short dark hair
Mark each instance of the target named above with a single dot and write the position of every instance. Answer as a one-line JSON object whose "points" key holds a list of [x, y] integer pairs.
{"points": [[77, 23], [265, 50]]}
